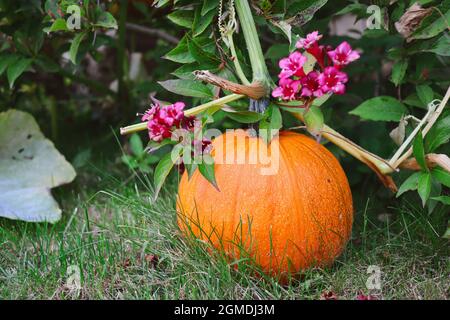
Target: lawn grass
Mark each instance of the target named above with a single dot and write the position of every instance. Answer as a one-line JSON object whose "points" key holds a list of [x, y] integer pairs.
{"points": [[130, 248]]}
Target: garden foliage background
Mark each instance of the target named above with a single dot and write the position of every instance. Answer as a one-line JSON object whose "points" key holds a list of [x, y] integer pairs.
{"points": [[82, 85]]}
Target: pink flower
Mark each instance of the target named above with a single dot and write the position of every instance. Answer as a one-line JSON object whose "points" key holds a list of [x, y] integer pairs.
{"points": [[292, 65], [343, 54], [203, 146], [158, 131], [311, 86], [172, 114], [161, 120], [188, 123], [150, 113], [287, 89], [332, 80], [310, 40]]}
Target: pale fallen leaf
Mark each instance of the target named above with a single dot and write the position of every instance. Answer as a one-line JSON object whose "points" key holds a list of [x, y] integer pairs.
{"points": [[30, 166], [411, 20], [285, 27], [398, 134]]}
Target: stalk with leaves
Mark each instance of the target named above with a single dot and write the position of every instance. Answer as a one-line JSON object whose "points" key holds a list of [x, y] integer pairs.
{"points": [[213, 64]]}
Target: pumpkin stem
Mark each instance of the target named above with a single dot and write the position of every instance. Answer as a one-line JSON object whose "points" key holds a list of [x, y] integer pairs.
{"points": [[259, 106]]}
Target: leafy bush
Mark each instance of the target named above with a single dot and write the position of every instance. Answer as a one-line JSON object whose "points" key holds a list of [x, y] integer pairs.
{"points": [[89, 73]]}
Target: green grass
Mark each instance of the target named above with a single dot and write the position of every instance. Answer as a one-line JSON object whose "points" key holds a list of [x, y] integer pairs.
{"points": [[114, 235]]}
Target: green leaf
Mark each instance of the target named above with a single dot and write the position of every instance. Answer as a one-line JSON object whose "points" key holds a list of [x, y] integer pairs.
{"points": [[181, 52], [205, 59], [424, 186], [383, 108], [244, 116], [443, 199], [438, 45], [277, 51], [357, 8], [399, 71], [201, 22], [183, 18], [409, 184], [30, 166], [136, 145], [419, 152], [57, 25], [447, 233], [162, 171], [441, 46], [106, 20], [321, 100], [187, 88], [414, 101], [186, 71], [442, 176], [209, 5], [206, 168], [73, 51], [276, 120], [46, 64], [429, 30], [278, 7], [129, 161], [436, 189], [425, 94], [190, 168], [439, 134], [152, 146], [314, 120], [16, 69], [6, 61], [270, 126]]}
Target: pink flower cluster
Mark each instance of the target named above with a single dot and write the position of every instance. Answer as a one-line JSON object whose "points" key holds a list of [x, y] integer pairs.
{"points": [[162, 120], [295, 84]]}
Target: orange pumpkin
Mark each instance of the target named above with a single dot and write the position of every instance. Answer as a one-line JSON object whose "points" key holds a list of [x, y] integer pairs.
{"points": [[287, 222]]}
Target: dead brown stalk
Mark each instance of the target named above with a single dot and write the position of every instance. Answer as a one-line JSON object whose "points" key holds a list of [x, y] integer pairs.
{"points": [[254, 91]]}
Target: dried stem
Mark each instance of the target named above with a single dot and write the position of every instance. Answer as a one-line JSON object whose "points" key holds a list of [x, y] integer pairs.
{"points": [[411, 137], [432, 160], [254, 91], [380, 166], [432, 120]]}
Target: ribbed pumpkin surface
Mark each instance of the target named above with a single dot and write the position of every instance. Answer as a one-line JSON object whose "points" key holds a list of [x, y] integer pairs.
{"points": [[298, 218]]}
